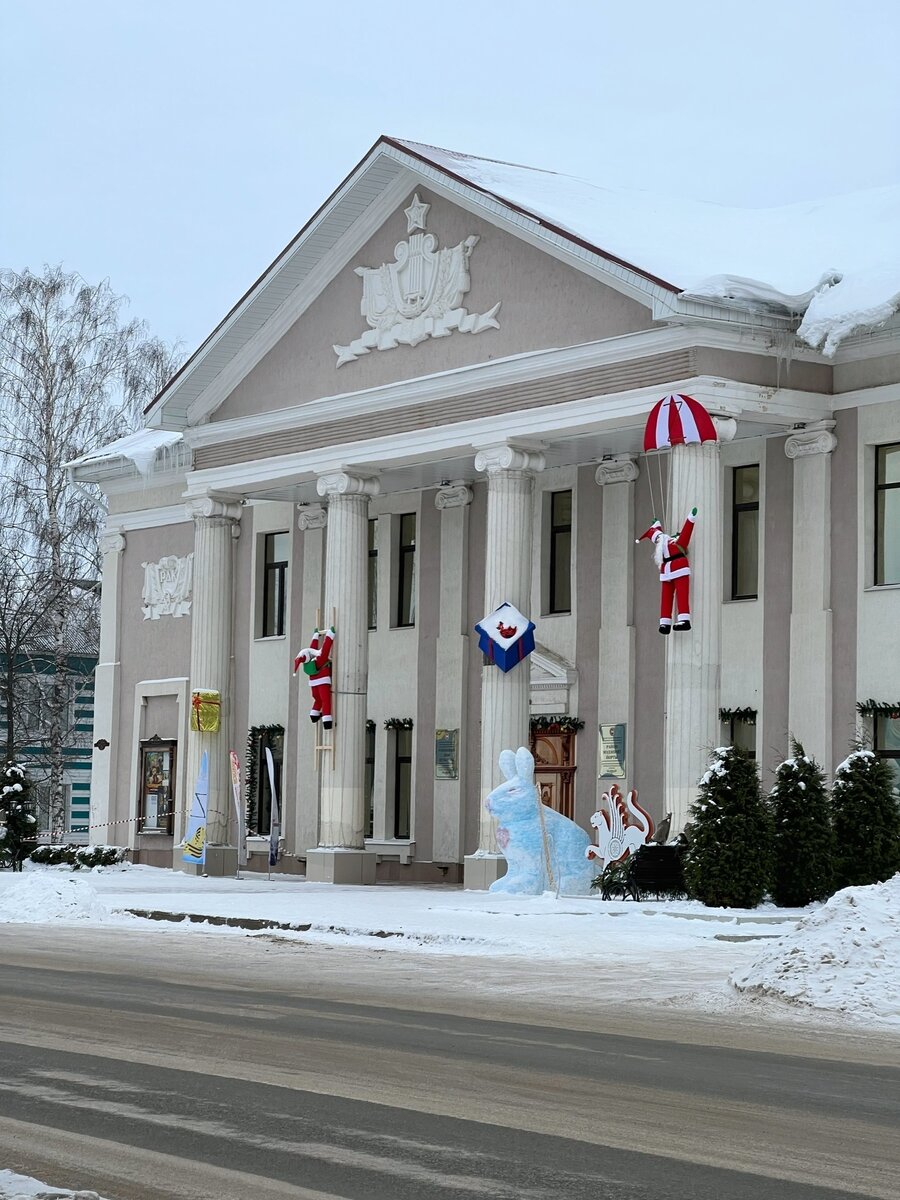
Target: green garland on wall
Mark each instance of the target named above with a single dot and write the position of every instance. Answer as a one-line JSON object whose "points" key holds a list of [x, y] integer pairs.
{"points": [[562, 723], [252, 779], [746, 715], [878, 708], [399, 723]]}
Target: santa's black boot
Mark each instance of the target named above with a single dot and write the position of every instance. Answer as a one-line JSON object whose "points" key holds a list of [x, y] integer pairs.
{"points": [[665, 629], [314, 717], [682, 626]]}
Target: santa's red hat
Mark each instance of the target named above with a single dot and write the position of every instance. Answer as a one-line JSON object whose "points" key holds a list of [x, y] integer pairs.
{"points": [[650, 533]]}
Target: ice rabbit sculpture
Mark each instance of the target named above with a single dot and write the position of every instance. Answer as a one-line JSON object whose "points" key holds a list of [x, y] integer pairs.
{"points": [[517, 808]]}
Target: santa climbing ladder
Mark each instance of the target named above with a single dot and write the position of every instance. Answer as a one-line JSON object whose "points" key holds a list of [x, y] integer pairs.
{"points": [[316, 662], [670, 556]]}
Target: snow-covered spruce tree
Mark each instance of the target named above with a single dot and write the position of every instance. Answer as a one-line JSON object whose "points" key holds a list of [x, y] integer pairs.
{"points": [[17, 822], [728, 863], [803, 841], [866, 820]]}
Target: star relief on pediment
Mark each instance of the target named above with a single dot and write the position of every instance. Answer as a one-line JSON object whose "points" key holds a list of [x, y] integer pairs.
{"points": [[419, 295]]}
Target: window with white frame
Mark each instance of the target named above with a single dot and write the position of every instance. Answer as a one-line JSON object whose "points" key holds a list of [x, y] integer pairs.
{"points": [[745, 532], [276, 547], [406, 570], [887, 742], [559, 565], [373, 573], [887, 514]]}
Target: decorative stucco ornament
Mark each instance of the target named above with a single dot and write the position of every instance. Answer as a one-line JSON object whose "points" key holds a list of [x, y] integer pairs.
{"points": [[167, 587], [417, 296]]}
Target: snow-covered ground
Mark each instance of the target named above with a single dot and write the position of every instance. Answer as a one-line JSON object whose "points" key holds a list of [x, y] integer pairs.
{"points": [[840, 958], [23, 1187]]}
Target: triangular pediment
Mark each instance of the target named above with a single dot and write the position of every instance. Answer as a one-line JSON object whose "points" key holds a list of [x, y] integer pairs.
{"points": [[316, 291], [550, 670]]}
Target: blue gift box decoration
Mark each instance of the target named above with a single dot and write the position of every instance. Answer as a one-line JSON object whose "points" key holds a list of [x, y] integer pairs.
{"points": [[506, 637]]}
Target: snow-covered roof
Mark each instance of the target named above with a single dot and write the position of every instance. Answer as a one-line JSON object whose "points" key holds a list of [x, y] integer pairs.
{"points": [[837, 261], [139, 448]]}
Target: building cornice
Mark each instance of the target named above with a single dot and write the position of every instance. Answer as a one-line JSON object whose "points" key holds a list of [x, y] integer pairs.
{"points": [[547, 424], [481, 377]]}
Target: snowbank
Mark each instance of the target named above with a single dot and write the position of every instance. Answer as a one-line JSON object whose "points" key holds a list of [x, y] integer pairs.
{"points": [[23, 1187], [843, 957], [37, 897], [837, 260]]}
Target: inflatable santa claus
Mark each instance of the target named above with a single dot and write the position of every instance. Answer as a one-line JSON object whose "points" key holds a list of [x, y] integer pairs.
{"points": [[670, 555], [316, 662]]}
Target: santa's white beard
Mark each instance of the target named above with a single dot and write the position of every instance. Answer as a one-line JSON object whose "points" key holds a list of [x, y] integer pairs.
{"points": [[660, 549]]}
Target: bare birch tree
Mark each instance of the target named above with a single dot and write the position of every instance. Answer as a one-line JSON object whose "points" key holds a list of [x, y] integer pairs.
{"points": [[74, 374]]}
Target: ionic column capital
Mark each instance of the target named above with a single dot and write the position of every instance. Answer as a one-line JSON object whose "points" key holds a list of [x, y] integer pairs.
{"points": [[454, 495], [112, 542], [335, 484], [311, 516], [816, 438], [509, 457], [212, 507], [621, 468]]}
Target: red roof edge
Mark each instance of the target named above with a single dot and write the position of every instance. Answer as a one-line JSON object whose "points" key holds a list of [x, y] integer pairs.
{"points": [[527, 212], [397, 144], [277, 259]]}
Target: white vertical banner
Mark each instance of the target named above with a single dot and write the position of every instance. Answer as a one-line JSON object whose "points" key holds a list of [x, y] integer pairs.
{"points": [[275, 831], [238, 808]]}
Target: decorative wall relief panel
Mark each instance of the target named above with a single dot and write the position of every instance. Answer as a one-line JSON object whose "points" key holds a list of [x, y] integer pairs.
{"points": [[417, 296], [167, 587]]}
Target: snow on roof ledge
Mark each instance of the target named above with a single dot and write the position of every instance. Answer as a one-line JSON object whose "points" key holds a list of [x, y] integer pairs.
{"points": [[755, 259], [139, 448]]}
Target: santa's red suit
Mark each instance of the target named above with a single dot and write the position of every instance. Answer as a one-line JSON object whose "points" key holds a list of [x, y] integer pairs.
{"points": [[670, 555], [316, 662]]}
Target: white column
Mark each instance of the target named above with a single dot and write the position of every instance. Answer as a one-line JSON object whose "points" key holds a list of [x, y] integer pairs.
{"points": [[615, 693], [507, 577], [311, 521], [107, 735], [693, 659], [341, 856], [809, 703], [452, 654], [216, 523]]}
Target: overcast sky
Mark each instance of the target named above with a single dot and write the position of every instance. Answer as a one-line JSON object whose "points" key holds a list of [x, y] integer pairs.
{"points": [[174, 146]]}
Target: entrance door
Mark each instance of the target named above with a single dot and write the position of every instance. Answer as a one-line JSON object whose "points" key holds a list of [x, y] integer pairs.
{"points": [[554, 768]]}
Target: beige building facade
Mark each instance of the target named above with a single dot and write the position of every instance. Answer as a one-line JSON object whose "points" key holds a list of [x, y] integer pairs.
{"points": [[433, 402]]}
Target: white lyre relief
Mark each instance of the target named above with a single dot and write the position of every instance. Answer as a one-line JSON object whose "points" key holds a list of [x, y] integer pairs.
{"points": [[417, 296], [167, 587]]}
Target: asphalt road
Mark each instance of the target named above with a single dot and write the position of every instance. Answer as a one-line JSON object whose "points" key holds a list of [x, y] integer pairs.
{"points": [[169, 1065]]}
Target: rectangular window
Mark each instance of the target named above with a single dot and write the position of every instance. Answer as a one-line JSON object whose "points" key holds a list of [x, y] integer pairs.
{"points": [[406, 571], [887, 515], [887, 743], [745, 533], [373, 575], [274, 581], [742, 733], [560, 552], [402, 781], [259, 807], [370, 778]]}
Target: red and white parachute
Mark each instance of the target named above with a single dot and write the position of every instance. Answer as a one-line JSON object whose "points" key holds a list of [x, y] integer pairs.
{"points": [[676, 421]]}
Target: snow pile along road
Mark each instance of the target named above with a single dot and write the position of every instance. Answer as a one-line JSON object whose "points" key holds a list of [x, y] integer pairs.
{"points": [[37, 896], [23, 1187], [843, 957]]}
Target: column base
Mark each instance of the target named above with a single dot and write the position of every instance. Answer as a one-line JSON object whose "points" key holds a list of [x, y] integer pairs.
{"points": [[340, 866], [221, 861], [481, 870]]}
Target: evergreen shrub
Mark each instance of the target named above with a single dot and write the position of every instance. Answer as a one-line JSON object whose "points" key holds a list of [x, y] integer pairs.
{"points": [[803, 841]]}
